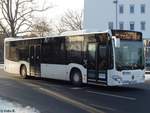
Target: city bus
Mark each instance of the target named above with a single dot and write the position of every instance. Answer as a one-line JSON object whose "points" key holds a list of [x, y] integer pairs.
{"points": [[111, 58]]}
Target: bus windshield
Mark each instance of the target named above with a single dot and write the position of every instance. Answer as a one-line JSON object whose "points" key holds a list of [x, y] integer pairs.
{"points": [[129, 55]]}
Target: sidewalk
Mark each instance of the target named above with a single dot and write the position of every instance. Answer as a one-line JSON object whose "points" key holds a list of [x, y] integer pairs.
{"points": [[13, 107]]}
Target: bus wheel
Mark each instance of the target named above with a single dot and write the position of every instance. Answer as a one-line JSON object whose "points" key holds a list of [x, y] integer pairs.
{"points": [[23, 72], [76, 78]]}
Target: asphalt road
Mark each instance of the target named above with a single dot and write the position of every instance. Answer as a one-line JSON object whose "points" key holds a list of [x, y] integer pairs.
{"points": [[51, 96]]}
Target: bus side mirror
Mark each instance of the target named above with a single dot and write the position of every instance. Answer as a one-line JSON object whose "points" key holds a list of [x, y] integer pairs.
{"points": [[116, 41]]}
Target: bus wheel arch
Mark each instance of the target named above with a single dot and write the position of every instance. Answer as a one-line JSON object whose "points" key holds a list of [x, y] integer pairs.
{"points": [[23, 71], [76, 77]]}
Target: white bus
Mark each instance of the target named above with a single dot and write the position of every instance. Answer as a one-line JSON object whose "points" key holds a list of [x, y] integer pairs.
{"points": [[111, 58]]}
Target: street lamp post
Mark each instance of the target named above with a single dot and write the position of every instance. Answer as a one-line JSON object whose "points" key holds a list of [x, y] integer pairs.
{"points": [[116, 3]]}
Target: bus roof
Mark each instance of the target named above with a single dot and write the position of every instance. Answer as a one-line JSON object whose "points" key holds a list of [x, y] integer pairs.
{"points": [[68, 33]]}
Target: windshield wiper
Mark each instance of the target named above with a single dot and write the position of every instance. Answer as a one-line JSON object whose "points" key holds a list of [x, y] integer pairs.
{"points": [[120, 66], [135, 66]]}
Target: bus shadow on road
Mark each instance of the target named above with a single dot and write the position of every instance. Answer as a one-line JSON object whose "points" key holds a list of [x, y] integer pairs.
{"points": [[87, 86], [50, 81], [115, 88]]}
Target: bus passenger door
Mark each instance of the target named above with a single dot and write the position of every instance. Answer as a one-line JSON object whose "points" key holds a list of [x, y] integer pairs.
{"points": [[91, 62], [97, 63], [102, 63], [35, 53]]}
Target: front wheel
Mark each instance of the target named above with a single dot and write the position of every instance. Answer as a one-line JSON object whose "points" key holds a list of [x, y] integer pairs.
{"points": [[76, 78], [23, 72]]}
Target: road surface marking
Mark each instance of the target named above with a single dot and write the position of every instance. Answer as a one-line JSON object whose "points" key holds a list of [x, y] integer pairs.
{"points": [[71, 101], [112, 95], [30, 84], [76, 88], [99, 93], [66, 99], [103, 107]]}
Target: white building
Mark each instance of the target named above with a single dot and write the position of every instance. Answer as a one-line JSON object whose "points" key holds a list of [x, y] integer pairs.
{"points": [[131, 15]]}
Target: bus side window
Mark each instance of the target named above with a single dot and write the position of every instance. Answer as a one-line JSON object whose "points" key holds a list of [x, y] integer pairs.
{"points": [[53, 52], [102, 57], [92, 56], [74, 49]]}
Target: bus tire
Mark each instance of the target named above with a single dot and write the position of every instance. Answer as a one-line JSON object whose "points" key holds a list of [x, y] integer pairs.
{"points": [[76, 77], [23, 72]]}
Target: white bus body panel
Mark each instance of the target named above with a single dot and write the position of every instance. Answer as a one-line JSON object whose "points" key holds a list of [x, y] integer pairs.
{"points": [[62, 72], [125, 77], [14, 67], [53, 71]]}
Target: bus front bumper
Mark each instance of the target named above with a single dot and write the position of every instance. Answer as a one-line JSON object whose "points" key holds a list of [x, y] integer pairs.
{"points": [[119, 81]]}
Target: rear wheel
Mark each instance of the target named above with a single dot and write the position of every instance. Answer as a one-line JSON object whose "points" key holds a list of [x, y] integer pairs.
{"points": [[23, 72], [76, 78]]}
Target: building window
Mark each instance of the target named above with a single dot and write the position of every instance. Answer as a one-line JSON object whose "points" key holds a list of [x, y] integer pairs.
{"points": [[142, 8], [121, 25], [110, 25], [131, 9], [132, 25], [121, 9], [143, 24]]}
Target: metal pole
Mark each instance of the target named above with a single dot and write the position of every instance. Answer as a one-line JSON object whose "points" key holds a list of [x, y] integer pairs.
{"points": [[116, 14], [116, 3]]}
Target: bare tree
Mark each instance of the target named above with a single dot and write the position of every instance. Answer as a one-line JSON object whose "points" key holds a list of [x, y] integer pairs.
{"points": [[17, 15], [41, 28], [71, 20], [2, 36]]}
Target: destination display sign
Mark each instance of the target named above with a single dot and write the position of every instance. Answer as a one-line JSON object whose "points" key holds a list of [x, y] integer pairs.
{"points": [[127, 35]]}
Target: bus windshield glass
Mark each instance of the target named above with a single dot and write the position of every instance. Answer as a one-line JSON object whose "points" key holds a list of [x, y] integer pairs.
{"points": [[129, 55]]}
